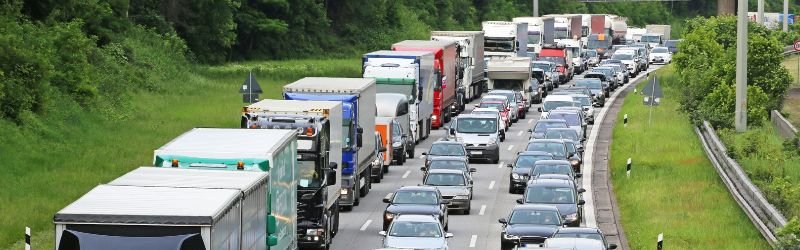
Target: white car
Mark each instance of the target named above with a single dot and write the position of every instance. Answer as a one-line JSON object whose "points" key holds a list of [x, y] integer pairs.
{"points": [[660, 55], [412, 231]]}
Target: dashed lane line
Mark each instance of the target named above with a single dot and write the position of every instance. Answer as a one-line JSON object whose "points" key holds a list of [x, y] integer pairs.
{"points": [[366, 224], [483, 210], [491, 185], [406, 174], [473, 240]]}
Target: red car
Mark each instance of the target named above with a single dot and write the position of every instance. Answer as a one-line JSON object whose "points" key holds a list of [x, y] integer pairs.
{"points": [[500, 106]]}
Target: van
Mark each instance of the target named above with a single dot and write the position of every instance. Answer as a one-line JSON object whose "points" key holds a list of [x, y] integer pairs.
{"points": [[395, 106], [480, 135], [552, 102]]}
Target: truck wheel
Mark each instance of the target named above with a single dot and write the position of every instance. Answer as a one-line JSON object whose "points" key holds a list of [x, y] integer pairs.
{"points": [[411, 153], [365, 190], [335, 229]]}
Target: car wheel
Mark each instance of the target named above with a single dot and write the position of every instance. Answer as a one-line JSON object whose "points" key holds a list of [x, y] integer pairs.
{"points": [[411, 152], [469, 207], [511, 188], [446, 227]]}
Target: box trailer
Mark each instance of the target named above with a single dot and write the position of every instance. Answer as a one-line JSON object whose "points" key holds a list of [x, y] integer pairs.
{"points": [[470, 67], [505, 39], [444, 97], [511, 74]]}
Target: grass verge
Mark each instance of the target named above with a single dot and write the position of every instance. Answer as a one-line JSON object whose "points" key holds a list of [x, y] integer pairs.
{"points": [[791, 105], [48, 164], [673, 188]]}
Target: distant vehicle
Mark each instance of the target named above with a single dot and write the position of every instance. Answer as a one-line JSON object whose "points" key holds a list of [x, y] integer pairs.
{"points": [[448, 162], [529, 225], [582, 110], [592, 58], [554, 167], [415, 232], [660, 55], [603, 80], [594, 85], [631, 58], [553, 146], [611, 76], [514, 112], [552, 102], [551, 75], [559, 193], [455, 185], [512, 75], [623, 76], [539, 85], [574, 120], [502, 109], [510, 105], [582, 233], [495, 111], [562, 133], [521, 167], [446, 148], [480, 134], [415, 200], [672, 45], [542, 126]]}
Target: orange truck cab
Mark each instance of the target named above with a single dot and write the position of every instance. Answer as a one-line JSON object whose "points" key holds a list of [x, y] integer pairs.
{"points": [[383, 126]]}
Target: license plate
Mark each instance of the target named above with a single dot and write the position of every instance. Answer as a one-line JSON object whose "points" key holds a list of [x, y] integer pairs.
{"points": [[476, 152]]}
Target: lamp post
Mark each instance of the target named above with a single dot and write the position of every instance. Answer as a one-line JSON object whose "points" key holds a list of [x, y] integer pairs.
{"points": [[740, 116]]}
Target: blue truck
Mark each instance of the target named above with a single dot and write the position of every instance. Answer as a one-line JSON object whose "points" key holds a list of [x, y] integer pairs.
{"points": [[358, 113]]}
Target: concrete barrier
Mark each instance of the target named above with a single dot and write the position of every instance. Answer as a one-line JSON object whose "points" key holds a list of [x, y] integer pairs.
{"points": [[764, 216], [785, 128]]}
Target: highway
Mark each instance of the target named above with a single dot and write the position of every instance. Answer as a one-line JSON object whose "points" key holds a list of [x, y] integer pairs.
{"points": [[359, 228]]}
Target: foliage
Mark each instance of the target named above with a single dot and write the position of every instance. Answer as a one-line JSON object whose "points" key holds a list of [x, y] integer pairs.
{"points": [[789, 236], [707, 68]]}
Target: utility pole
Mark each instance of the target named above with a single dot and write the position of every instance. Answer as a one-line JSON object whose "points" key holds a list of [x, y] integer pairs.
{"points": [[760, 17], [740, 116], [785, 19], [535, 8]]}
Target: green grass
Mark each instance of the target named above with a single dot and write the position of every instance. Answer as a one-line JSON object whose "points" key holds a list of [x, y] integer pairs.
{"points": [[49, 163], [673, 188]]}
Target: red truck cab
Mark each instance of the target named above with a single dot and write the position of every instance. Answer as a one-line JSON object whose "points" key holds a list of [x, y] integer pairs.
{"points": [[561, 57], [444, 95]]}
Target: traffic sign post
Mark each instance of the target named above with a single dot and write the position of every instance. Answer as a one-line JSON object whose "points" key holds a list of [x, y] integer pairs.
{"points": [[796, 45]]}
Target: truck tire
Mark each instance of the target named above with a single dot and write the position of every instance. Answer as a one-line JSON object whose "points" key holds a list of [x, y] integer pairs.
{"points": [[365, 190], [356, 191], [411, 153], [335, 229]]}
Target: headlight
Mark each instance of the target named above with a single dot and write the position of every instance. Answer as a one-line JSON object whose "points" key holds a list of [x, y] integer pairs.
{"points": [[461, 197], [459, 139], [344, 191], [493, 140], [515, 176], [397, 144], [575, 162], [388, 216], [510, 237], [317, 232], [572, 217], [433, 117]]}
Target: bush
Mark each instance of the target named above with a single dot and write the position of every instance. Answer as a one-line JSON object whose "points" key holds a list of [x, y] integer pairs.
{"points": [[789, 235]]}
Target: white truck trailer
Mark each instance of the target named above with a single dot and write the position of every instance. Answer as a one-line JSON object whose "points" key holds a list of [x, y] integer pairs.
{"points": [[511, 74], [318, 125], [470, 60], [535, 32], [505, 39], [261, 150], [158, 217], [656, 34]]}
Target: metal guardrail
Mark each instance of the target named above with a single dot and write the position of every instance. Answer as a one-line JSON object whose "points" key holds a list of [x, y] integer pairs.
{"points": [[785, 128], [789, 50], [764, 216]]}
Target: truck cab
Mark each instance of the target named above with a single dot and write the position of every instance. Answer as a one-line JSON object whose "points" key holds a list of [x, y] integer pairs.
{"points": [[480, 135], [395, 106]]}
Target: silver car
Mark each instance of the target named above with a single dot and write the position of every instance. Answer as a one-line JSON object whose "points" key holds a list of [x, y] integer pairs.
{"points": [[512, 102], [455, 186], [413, 231]]}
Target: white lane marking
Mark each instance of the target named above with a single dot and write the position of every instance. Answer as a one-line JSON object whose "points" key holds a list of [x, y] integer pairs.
{"points": [[510, 147], [406, 174], [491, 185], [501, 164], [530, 121], [473, 240], [483, 210], [366, 224], [520, 133]]}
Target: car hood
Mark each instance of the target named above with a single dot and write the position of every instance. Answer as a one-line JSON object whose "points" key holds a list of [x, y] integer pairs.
{"points": [[413, 209], [476, 138], [566, 209], [596, 92], [659, 55], [453, 190], [531, 230], [414, 242]]}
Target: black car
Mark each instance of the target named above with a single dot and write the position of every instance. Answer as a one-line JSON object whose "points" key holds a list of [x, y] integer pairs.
{"points": [[447, 162], [446, 148], [521, 168], [421, 200], [559, 193], [555, 147], [599, 92], [603, 80], [672, 45], [583, 233], [529, 225], [554, 167]]}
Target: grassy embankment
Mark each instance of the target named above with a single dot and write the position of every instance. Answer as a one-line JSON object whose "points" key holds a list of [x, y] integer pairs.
{"points": [[791, 107], [48, 165], [673, 188]]}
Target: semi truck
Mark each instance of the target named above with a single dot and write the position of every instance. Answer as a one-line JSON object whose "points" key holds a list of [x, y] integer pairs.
{"points": [[445, 103], [505, 39], [656, 34], [357, 96], [318, 125], [619, 26], [154, 217], [567, 27], [601, 37], [511, 74], [410, 73], [262, 150], [535, 32], [470, 60], [635, 34]]}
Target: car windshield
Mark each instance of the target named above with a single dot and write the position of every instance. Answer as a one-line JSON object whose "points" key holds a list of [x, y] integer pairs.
{"points": [[447, 150], [593, 236], [551, 105], [660, 50], [572, 119], [527, 161], [622, 57], [575, 51], [585, 101], [591, 53], [494, 105], [591, 84], [605, 71], [536, 217], [543, 126], [561, 134], [498, 45], [597, 75], [476, 125], [485, 112], [415, 229], [445, 179], [509, 95], [494, 99], [397, 130], [552, 169], [549, 195], [448, 164], [543, 66], [415, 197], [557, 149]]}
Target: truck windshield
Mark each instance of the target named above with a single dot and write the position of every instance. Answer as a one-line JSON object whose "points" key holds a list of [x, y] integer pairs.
{"points": [[591, 53], [596, 44], [576, 52], [554, 59], [534, 38], [499, 44], [561, 34], [476, 125], [510, 84], [307, 174], [651, 39]]}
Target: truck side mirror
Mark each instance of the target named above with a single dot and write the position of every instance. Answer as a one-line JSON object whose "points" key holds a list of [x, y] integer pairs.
{"points": [[359, 141], [333, 165], [272, 224], [331, 177]]}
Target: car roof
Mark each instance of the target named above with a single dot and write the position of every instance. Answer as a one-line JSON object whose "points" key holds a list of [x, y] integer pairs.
{"points": [[564, 111], [551, 120], [493, 110], [445, 171], [551, 162], [475, 116], [446, 158], [546, 140], [550, 182], [535, 207], [493, 101], [558, 98], [416, 188], [561, 129], [416, 217], [500, 91], [534, 153], [578, 230], [447, 142], [494, 96]]}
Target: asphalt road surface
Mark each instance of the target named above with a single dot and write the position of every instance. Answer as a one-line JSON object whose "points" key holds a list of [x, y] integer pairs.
{"points": [[358, 229]]}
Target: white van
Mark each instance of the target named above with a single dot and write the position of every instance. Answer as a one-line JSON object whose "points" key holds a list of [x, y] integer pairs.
{"points": [[552, 102]]}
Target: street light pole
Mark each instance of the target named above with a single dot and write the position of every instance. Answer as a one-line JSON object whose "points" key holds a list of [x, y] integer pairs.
{"points": [[740, 116], [760, 17], [535, 8], [785, 19]]}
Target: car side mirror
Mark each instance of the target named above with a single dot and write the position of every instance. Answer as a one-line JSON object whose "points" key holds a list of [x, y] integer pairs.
{"points": [[539, 109], [473, 170], [448, 235], [422, 169], [477, 105], [581, 202], [510, 165], [502, 221], [581, 149], [424, 153], [382, 233], [452, 131], [581, 190], [530, 130], [612, 246], [386, 200], [520, 201], [578, 175], [565, 223]]}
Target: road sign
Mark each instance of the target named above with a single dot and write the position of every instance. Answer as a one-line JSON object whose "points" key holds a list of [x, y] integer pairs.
{"points": [[796, 45]]}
